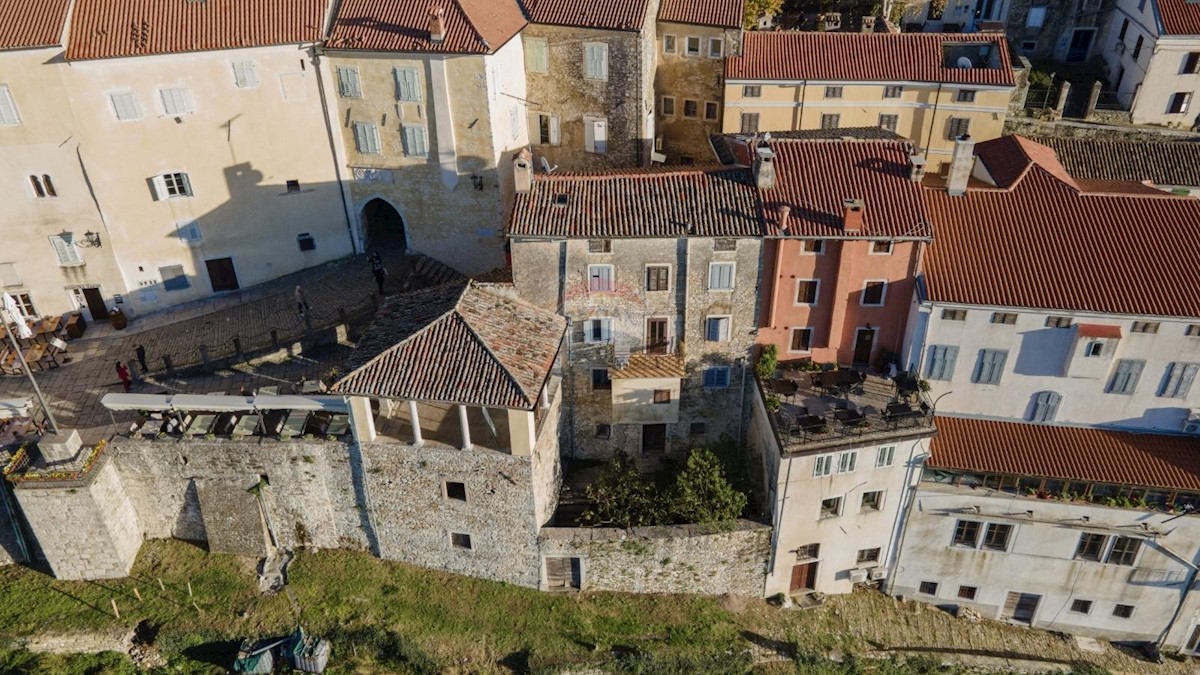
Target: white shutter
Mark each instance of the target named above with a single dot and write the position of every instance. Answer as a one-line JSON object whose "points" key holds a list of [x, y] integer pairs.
{"points": [[415, 142], [366, 138], [348, 85], [8, 109], [555, 134], [64, 247], [407, 84], [160, 188], [600, 136], [535, 131], [175, 101], [9, 275], [245, 74], [125, 106], [589, 135]]}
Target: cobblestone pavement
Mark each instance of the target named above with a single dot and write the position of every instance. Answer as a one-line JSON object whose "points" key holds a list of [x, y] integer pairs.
{"points": [[338, 292]]}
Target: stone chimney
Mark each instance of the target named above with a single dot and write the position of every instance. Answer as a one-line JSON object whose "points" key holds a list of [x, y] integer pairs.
{"points": [[916, 168], [437, 25], [523, 171], [764, 168], [785, 212], [852, 214], [961, 164]]}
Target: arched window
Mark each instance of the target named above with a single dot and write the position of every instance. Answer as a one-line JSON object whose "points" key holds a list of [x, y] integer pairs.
{"points": [[37, 187], [49, 185], [1045, 406]]}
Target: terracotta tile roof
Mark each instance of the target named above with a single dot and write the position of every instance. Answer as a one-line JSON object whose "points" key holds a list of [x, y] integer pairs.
{"points": [[719, 13], [1116, 187], [1042, 243], [665, 203], [626, 15], [650, 366], [1179, 17], [457, 343], [1068, 453], [1009, 158], [102, 29], [32, 23], [472, 26], [815, 177], [1175, 163], [882, 57], [1096, 330]]}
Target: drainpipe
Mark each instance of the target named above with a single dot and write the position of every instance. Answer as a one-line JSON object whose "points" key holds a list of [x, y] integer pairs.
{"points": [[933, 120], [777, 520], [343, 185]]}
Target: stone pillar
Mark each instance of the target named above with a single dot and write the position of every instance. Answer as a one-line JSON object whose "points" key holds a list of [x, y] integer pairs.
{"points": [[60, 447], [1062, 98], [522, 432], [544, 396], [416, 423], [362, 422], [466, 427], [1093, 99]]}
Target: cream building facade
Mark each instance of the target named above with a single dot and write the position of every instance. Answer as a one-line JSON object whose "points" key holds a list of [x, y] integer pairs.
{"points": [[1152, 52]]}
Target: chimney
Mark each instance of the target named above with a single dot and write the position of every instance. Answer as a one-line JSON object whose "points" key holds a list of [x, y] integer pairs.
{"points": [[852, 214], [785, 212], [437, 26], [523, 171], [916, 168], [764, 168], [961, 163]]}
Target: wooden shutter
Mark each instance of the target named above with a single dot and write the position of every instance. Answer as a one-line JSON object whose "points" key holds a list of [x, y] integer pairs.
{"points": [[348, 85], [555, 133], [125, 106], [407, 84], [8, 109], [1045, 406], [415, 143], [366, 138], [600, 136], [245, 74]]}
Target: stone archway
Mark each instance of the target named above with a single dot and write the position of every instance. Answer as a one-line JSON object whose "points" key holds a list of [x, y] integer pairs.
{"points": [[384, 226]]}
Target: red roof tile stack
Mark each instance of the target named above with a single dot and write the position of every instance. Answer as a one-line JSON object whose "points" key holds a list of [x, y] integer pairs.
{"points": [[1067, 453], [472, 26], [624, 15], [883, 57], [32, 23], [1179, 17], [718, 13]]}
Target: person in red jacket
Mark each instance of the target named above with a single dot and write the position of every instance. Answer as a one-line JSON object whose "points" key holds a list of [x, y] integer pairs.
{"points": [[123, 374]]}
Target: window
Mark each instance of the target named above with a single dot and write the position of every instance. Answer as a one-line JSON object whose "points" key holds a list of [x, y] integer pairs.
{"points": [[964, 96], [169, 185], [957, 126], [1192, 330], [831, 508], [348, 84], [801, 340], [1081, 606], [456, 490], [847, 461], [1123, 611], [716, 48], [1124, 550], [1179, 102], [822, 466], [808, 552], [595, 135], [8, 108], [408, 83], [814, 246], [669, 44], [693, 46], [293, 87], [928, 588], [830, 121], [416, 141], [1045, 406], [189, 231], [64, 246], [366, 138], [1137, 47], [990, 367], [597, 330], [954, 315], [1006, 318], [996, 537], [1124, 30], [893, 91], [1058, 322], [125, 106], [603, 431], [460, 540], [716, 329], [710, 110], [1178, 380], [1036, 17], [872, 501], [720, 276], [292, 186], [751, 91], [885, 456], [749, 123], [173, 278], [941, 362], [667, 106], [662, 396], [867, 555], [691, 108], [697, 429], [966, 533], [175, 101], [967, 592], [537, 55], [595, 60], [658, 278], [1144, 327], [306, 242], [1029, 46], [1093, 349], [889, 122], [807, 291], [873, 293], [1191, 63], [245, 74], [600, 278], [544, 129], [881, 248], [716, 377], [833, 92], [600, 379], [1090, 546], [599, 245], [25, 304], [43, 187]]}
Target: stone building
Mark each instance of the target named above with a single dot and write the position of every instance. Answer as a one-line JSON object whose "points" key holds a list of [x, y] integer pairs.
{"points": [[1152, 53], [658, 274], [426, 104]]}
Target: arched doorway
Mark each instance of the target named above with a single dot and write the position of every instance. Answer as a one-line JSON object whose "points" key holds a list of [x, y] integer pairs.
{"points": [[385, 227]]}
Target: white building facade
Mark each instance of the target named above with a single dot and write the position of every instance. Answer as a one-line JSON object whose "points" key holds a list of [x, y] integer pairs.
{"points": [[1152, 52]]}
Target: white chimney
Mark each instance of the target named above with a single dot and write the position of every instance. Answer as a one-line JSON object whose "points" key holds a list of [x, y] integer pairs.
{"points": [[523, 171], [916, 168], [764, 168], [437, 25], [961, 164]]}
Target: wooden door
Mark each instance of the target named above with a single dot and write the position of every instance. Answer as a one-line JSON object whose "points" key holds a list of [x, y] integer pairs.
{"points": [[1020, 607], [95, 303], [562, 573], [654, 439], [804, 577], [864, 342], [656, 336], [222, 275]]}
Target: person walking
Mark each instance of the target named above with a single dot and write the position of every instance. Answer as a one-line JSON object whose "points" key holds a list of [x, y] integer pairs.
{"points": [[140, 351], [301, 301], [123, 375], [378, 270]]}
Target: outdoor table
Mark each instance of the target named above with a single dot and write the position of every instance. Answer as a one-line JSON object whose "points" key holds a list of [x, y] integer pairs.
{"points": [[46, 328], [840, 381], [811, 423], [786, 388], [896, 412], [850, 418], [34, 355]]}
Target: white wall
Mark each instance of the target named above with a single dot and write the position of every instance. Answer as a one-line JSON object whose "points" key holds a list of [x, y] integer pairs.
{"points": [[1151, 79]]}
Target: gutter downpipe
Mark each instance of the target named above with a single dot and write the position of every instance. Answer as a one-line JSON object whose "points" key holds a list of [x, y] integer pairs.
{"points": [[778, 515], [933, 120], [343, 186]]}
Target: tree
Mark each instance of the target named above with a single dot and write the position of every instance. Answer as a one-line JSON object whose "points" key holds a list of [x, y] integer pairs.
{"points": [[757, 8], [702, 494], [623, 497]]}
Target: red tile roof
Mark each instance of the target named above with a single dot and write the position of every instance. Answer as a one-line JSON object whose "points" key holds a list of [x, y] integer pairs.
{"points": [[882, 57], [626, 15], [1068, 453], [102, 29], [815, 177], [456, 344], [1179, 17], [719, 13], [1043, 243], [32, 23], [472, 26], [1096, 330], [663, 203]]}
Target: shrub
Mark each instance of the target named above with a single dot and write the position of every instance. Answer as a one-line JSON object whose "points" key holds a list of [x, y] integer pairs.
{"points": [[622, 497], [767, 362], [702, 494]]}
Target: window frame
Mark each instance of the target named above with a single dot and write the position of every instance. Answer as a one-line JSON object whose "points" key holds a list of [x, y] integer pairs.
{"points": [[170, 97], [366, 138], [407, 92], [893, 91], [716, 111], [245, 74], [885, 456], [419, 132], [1003, 318], [674, 41], [662, 397], [716, 369], [662, 106], [67, 239], [875, 246], [349, 82], [834, 91], [133, 102], [882, 284], [719, 52], [461, 541], [968, 592], [602, 48], [531, 64], [817, 244], [749, 122], [893, 118], [1081, 606], [721, 321], [1124, 557], [1178, 379], [876, 504], [965, 95], [966, 533], [732, 276], [605, 324], [940, 362], [1127, 373], [1179, 103], [751, 91], [928, 588], [452, 493], [957, 126], [601, 379], [956, 314], [831, 121], [987, 543], [593, 286], [807, 342], [1090, 547], [662, 269], [995, 372], [847, 462], [871, 557], [814, 285], [822, 466], [687, 46], [834, 512], [695, 104]]}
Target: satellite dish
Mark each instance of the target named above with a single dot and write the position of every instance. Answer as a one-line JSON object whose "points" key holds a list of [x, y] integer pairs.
{"points": [[963, 62], [546, 165]]}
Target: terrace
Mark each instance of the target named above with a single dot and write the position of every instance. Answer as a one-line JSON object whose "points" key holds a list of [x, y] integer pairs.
{"points": [[263, 416]]}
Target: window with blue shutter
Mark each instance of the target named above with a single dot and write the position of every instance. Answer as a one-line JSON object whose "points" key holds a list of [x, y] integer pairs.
{"points": [[941, 362], [1045, 406], [717, 328], [595, 61], [1179, 380], [348, 84], [716, 377], [720, 276], [407, 85], [416, 143], [366, 138], [990, 366], [1125, 377]]}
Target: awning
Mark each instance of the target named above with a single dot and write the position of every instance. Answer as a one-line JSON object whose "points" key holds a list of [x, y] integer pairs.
{"points": [[335, 404], [1097, 330], [136, 401], [211, 403]]}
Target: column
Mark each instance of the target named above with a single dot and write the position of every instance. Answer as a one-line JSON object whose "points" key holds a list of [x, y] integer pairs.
{"points": [[466, 429], [361, 419], [416, 423]]}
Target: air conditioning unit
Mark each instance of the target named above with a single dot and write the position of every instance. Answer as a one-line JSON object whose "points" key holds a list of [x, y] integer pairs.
{"points": [[1191, 425], [658, 158], [859, 576], [878, 573]]}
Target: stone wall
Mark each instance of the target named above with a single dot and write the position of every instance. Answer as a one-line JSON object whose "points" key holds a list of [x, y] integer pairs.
{"points": [[116, 640], [10, 548], [1028, 126], [672, 559]]}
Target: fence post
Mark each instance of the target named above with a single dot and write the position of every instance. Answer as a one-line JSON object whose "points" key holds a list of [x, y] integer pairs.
{"points": [[1093, 99], [204, 355], [1063, 91]]}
